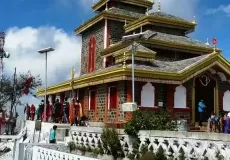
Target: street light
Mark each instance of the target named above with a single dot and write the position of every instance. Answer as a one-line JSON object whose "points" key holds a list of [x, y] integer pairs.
{"points": [[132, 38], [45, 51]]}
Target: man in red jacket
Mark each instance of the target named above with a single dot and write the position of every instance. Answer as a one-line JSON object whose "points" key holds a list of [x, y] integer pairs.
{"points": [[32, 112]]}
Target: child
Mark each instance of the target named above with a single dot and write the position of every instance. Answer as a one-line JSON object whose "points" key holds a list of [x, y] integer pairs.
{"points": [[212, 123]]}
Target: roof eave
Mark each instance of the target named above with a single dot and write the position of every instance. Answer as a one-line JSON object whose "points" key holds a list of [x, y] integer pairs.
{"points": [[102, 3], [100, 17], [154, 20]]}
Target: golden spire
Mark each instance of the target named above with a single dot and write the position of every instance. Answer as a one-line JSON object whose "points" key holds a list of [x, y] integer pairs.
{"points": [[147, 12], [106, 6], [159, 5], [124, 60], [207, 43], [194, 20]]}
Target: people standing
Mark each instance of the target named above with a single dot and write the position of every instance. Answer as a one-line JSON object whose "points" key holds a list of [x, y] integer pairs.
{"points": [[32, 112], [52, 137], [57, 111], [227, 124], [40, 110], [27, 111], [78, 111], [48, 110], [66, 111], [201, 110], [71, 111]]}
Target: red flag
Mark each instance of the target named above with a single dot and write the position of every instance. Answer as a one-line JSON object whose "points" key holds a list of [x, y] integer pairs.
{"points": [[214, 41]]}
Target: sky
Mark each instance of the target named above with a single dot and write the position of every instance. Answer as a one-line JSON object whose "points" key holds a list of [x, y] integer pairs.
{"points": [[34, 24]]}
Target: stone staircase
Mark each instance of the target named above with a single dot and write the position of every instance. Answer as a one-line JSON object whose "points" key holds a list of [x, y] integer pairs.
{"points": [[195, 128]]}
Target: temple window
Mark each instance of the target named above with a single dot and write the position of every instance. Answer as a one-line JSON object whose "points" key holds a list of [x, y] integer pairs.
{"points": [[148, 95], [226, 101], [92, 100], [112, 97], [180, 97], [110, 61], [92, 54]]}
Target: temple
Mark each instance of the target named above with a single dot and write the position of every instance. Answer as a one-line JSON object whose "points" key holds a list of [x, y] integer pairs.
{"points": [[171, 69]]}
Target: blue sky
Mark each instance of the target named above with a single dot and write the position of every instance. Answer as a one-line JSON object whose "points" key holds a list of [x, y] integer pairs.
{"points": [[35, 24]]}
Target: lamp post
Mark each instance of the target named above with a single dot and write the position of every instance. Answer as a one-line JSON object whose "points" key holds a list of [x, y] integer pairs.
{"points": [[132, 38], [45, 51]]}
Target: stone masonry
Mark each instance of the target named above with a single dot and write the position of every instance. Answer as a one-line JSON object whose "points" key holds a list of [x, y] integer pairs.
{"points": [[98, 32]]}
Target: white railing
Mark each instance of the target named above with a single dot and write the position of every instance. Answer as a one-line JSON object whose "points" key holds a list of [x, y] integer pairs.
{"points": [[40, 153], [91, 136], [193, 145]]}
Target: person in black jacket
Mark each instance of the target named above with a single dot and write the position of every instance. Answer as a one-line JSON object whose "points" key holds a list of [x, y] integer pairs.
{"points": [[57, 111], [66, 111], [40, 110]]}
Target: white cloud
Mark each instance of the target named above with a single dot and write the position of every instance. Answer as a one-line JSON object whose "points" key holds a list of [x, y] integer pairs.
{"points": [[23, 43], [222, 8]]}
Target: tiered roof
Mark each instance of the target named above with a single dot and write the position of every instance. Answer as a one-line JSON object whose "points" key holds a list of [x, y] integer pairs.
{"points": [[167, 40], [101, 4], [161, 19]]}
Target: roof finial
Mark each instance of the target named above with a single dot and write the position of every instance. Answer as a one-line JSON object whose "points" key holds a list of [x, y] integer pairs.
{"points": [[214, 42], [124, 60], [207, 43], [159, 5], [141, 29], [147, 12], [194, 20], [106, 5]]}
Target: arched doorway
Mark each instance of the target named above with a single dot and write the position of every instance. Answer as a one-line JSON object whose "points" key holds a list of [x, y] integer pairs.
{"points": [[205, 89]]}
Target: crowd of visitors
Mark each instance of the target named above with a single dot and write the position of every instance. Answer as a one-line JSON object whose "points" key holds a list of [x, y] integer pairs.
{"points": [[216, 123], [66, 112]]}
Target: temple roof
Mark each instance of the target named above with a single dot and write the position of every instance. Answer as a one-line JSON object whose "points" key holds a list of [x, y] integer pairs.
{"points": [[177, 39], [168, 16], [124, 12], [161, 71], [111, 13], [172, 66], [139, 48], [165, 39], [143, 3]]}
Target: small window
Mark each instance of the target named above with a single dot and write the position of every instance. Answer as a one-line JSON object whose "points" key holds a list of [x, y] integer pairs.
{"points": [[92, 100], [110, 61], [112, 97]]}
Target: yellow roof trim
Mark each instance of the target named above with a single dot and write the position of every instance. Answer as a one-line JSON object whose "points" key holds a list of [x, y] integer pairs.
{"points": [[100, 17], [140, 3], [190, 48]]}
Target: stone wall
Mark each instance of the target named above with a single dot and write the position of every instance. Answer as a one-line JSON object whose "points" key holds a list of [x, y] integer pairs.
{"points": [[98, 32], [122, 93], [116, 31], [101, 102]]}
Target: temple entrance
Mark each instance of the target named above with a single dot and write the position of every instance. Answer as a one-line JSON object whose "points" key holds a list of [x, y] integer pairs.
{"points": [[205, 89]]}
